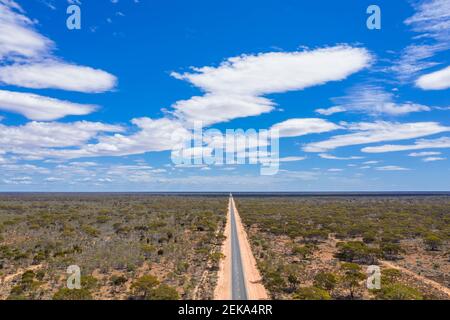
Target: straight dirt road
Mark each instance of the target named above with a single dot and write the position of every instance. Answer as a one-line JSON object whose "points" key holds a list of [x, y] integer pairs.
{"points": [[238, 278]]}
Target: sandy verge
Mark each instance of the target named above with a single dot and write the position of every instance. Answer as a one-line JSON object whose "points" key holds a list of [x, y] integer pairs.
{"points": [[223, 287], [253, 279]]}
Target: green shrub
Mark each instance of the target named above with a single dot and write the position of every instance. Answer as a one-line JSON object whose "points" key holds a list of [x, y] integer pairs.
{"points": [[72, 294], [389, 276], [163, 292], [325, 280], [90, 230], [311, 293], [433, 242], [398, 291], [143, 286], [118, 280]]}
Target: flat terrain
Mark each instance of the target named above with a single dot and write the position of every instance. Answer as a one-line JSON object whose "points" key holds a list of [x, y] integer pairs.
{"points": [[127, 246], [142, 246], [320, 247]]}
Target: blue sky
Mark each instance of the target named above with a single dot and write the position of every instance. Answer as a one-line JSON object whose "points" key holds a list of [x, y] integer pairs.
{"points": [[97, 109]]}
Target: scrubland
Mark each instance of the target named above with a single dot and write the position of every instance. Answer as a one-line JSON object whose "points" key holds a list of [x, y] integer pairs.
{"points": [[133, 246], [321, 247]]}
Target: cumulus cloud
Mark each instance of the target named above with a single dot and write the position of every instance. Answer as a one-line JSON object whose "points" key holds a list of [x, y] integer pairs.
{"points": [[210, 109], [438, 80], [377, 132], [235, 88], [151, 135], [37, 107], [57, 75], [443, 142], [303, 126], [51, 134], [278, 71], [373, 100]]}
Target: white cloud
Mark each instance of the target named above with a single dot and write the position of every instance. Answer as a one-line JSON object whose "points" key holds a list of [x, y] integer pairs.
{"points": [[424, 154], [438, 80], [210, 109], [377, 132], [20, 168], [330, 111], [54, 74], [391, 168], [291, 159], [372, 162], [18, 180], [431, 159], [235, 88], [335, 170], [415, 58], [299, 127], [278, 71], [36, 107], [443, 142], [33, 138], [153, 135], [373, 100], [53, 179], [331, 157], [431, 20], [18, 39], [27, 60]]}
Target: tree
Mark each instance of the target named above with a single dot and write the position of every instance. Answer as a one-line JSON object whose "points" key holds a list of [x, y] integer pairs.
{"points": [[352, 277], [357, 251], [311, 293], [143, 286], [325, 280], [433, 242], [391, 251]]}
